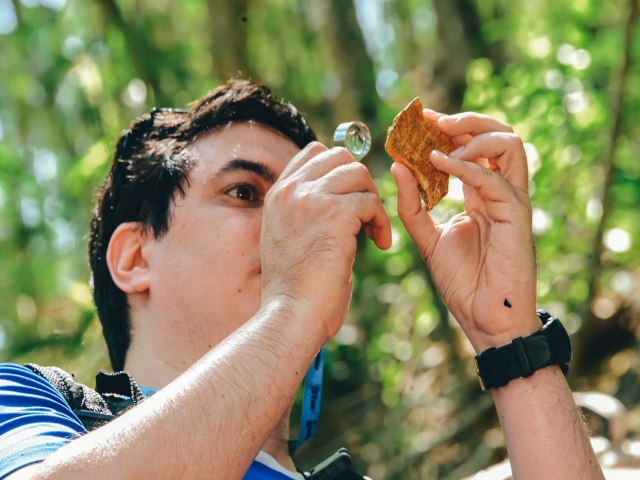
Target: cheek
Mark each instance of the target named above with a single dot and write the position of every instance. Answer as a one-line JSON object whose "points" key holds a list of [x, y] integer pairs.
{"points": [[240, 233], [217, 246], [228, 249]]}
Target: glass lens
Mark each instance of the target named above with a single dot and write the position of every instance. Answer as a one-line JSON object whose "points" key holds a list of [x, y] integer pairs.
{"points": [[355, 137]]}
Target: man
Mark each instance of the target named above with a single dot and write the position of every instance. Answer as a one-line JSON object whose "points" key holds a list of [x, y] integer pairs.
{"points": [[221, 249]]}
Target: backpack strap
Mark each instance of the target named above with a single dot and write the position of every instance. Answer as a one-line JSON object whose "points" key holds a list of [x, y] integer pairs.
{"points": [[119, 390], [114, 394]]}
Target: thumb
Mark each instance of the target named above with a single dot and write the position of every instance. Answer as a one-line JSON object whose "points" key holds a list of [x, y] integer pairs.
{"points": [[415, 219]]}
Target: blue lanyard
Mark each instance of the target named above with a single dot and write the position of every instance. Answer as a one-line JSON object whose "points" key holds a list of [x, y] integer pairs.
{"points": [[311, 399], [310, 402]]}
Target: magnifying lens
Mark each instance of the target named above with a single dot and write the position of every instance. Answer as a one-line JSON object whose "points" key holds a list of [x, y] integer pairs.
{"points": [[355, 137]]}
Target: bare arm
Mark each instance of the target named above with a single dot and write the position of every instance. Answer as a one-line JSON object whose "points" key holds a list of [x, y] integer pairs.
{"points": [[491, 289], [212, 420], [545, 435]]}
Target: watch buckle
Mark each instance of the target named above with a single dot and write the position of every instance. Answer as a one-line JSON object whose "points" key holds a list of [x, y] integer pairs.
{"points": [[480, 381]]}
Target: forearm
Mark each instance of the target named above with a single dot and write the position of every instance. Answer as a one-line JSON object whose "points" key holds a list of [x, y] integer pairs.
{"points": [[212, 420], [544, 432], [545, 435]]}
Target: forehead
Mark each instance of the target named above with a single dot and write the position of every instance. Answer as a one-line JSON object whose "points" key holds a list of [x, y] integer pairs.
{"points": [[250, 141]]}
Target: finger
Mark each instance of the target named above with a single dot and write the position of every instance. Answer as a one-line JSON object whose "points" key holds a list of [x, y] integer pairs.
{"points": [[506, 155], [348, 178], [491, 187], [431, 115], [323, 163], [471, 123], [309, 152], [461, 139], [415, 219], [369, 210]]}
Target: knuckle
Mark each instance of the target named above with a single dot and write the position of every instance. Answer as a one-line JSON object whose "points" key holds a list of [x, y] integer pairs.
{"points": [[343, 154], [358, 169], [303, 196], [313, 149], [316, 147], [282, 192], [515, 140], [363, 200]]}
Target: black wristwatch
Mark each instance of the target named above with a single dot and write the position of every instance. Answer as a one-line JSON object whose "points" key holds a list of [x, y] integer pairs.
{"points": [[550, 346]]}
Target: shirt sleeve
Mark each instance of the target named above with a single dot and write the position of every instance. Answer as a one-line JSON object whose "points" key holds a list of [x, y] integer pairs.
{"points": [[35, 420]]}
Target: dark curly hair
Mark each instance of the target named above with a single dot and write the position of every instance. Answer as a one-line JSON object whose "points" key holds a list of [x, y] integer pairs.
{"points": [[151, 164]]}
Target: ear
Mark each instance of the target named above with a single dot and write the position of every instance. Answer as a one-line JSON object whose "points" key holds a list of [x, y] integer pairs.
{"points": [[126, 259]]}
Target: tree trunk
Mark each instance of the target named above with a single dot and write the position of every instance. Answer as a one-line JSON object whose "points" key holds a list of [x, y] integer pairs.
{"points": [[459, 41], [230, 21], [357, 98], [143, 52]]}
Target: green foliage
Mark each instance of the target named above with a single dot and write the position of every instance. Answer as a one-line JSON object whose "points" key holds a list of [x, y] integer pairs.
{"points": [[401, 389]]}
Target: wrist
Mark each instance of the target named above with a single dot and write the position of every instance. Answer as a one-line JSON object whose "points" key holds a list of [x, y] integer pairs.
{"points": [[294, 318], [497, 320], [321, 310], [523, 328]]}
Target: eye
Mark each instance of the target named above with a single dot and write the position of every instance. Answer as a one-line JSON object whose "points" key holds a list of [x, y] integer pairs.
{"points": [[244, 191]]}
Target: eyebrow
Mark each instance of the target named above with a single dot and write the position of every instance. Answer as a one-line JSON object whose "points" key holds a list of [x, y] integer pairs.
{"points": [[258, 168]]}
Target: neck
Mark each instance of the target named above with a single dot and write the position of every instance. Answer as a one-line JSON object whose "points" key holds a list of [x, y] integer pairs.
{"points": [[148, 370]]}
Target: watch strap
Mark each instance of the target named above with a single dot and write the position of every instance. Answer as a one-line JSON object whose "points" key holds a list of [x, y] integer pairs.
{"points": [[523, 356]]}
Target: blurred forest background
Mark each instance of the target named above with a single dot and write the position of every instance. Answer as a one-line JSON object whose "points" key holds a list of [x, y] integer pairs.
{"points": [[400, 391]]}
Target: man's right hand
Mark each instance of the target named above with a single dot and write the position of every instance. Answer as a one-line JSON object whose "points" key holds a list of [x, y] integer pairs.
{"points": [[311, 217]]}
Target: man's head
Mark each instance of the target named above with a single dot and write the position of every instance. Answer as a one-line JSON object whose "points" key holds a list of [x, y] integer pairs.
{"points": [[152, 169]]}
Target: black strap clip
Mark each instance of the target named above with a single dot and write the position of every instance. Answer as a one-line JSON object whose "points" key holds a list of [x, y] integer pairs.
{"points": [[336, 467]]}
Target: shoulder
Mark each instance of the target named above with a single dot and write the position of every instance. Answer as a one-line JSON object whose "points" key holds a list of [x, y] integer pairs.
{"points": [[20, 385], [35, 420], [25, 395], [13, 376]]}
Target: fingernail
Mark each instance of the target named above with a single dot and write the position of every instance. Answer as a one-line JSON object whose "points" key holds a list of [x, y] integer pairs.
{"points": [[437, 153]]}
